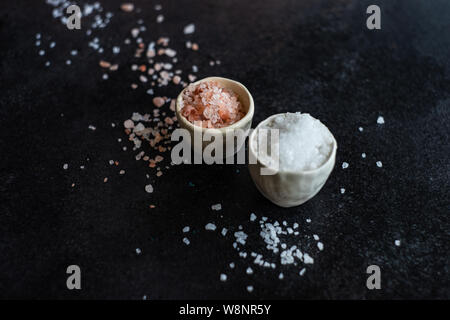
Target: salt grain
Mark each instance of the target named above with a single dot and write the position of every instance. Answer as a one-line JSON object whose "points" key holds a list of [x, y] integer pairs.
{"points": [[250, 288], [249, 270], [379, 164], [216, 207], [186, 229], [65, 166], [210, 226], [138, 251], [149, 188], [252, 217], [380, 120], [397, 243], [342, 190], [223, 277], [186, 241], [190, 28], [345, 165]]}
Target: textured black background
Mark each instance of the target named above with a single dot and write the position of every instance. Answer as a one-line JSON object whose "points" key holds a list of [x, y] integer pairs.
{"points": [[309, 56]]}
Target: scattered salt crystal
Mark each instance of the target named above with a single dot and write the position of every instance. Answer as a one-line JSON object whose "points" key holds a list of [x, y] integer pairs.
{"points": [[320, 245], [316, 237], [307, 259], [68, 62], [149, 188], [41, 52], [127, 7], [159, 18], [190, 28], [105, 76], [397, 243], [210, 226], [158, 7], [302, 272], [252, 217], [363, 155], [380, 120], [379, 164], [281, 276], [342, 190], [308, 220], [111, 162], [47, 63], [249, 270], [223, 277], [232, 265], [186, 229], [122, 172], [65, 166], [138, 251], [116, 49], [344, 165], [186, 241], [91, 127], [361, 129], [224, 231], [73, 52], [128, 124], [158, 101], [216, 207], [250, 288], [52, 44]]}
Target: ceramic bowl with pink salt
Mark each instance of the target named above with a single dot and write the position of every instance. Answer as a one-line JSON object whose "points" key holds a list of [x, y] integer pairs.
{"points": [[216, 106]]}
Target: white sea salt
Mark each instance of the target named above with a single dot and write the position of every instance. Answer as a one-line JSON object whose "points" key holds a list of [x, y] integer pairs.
{"points": [[250, 288], [65, 166], [138, 251], [307, 259], [379, 164], [210, 226], [302, 272], [223, 277], [216, 207], [363, 155], [281, 276], [232, 265], [249, 270], [224, 231], [149, 188], [380, 120], [342, 190], [397, 243], [186, 241], [252, 217], [304, 142], [345, 165], [190, 28], [320, 245], [186, 229]]}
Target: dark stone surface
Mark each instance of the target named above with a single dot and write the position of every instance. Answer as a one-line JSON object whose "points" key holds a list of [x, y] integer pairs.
{"points": [[309, 56]]}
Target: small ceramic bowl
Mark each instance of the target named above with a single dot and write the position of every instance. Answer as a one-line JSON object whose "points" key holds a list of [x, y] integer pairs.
{"points": [[245, 123], [289, 188]]}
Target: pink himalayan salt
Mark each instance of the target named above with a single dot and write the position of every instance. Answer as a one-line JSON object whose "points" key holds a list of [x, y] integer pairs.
{"points": [[212, 104], [158, 102]]}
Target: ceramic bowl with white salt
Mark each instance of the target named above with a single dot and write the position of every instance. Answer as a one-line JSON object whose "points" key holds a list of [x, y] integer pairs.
{"points": [[292, 169]]}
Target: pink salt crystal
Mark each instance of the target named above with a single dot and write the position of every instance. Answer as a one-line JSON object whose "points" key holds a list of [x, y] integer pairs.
{"points": [[211, 105], [128, 124], [158, 101]]}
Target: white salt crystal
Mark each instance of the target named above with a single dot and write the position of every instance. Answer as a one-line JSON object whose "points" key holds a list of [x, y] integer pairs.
{"points": [[190, 28], [302, 272], [91, 127], [186, 241], [216, 207], [363, 155], [223, 277], [320, 246], [344, 165], [149, 188], [232, 265], [361, 129], [250, 288], [65, 166], [342, 190], [224, 231], [307, 259], [159, 18], [380, 120], [252, 217], [281, 276], [379, 164], [210, 226], [186, 229], [249, 270], [397, 243], [304, 142], [138, 251], [316, 237]]}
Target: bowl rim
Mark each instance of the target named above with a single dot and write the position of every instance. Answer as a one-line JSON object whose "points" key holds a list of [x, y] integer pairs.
{"points": [[331, 157], [248, 116]]}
